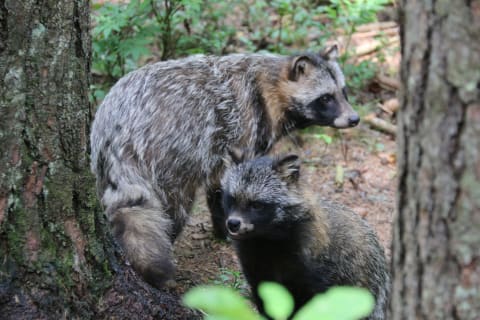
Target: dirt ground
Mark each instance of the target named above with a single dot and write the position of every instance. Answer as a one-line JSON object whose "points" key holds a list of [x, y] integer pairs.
{"points": [[368, 162]]}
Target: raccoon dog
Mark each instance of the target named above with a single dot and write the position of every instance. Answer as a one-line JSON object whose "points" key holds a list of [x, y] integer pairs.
{"points": [[164, 129], [284, 234]]}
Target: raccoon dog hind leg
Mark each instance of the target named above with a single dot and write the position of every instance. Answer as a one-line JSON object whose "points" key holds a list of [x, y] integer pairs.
{"points": [[139, 220]]}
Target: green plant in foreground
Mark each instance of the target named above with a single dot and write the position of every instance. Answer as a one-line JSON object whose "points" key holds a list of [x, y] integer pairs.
{"points": [[223, 303]]}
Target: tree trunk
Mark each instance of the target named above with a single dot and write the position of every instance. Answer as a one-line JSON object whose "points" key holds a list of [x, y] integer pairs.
{"points": [[51, 255], [436, 240], [56, 257]]}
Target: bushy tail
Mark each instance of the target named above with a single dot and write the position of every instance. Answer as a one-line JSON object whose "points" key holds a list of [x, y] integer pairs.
{"points": [[144, 234], [382, 299]]}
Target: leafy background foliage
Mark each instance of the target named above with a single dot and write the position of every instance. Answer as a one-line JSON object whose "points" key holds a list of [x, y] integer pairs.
{"points": [[129, 34]]}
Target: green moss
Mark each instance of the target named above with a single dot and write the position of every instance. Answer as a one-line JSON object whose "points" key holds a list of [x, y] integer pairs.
{"points": [[65, 194], [65, 269], [49, 246], [59, 201], [16, 230]]}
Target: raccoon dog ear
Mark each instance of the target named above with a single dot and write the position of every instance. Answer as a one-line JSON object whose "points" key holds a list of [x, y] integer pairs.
{"points": [[330, 53], [288, 167], [298, 67]]}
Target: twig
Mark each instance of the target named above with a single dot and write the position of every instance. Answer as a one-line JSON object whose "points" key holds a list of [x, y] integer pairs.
{"points": [[279, 38], [381, 106], [373, 46], [376, 33], [388, 82], [390, 106], [380, 124], [314, 161], [376, 26]]}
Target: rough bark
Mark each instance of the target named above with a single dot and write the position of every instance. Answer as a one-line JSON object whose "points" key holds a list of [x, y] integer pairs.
{"points": [[436, 240], [56, 257], [47, 229]]}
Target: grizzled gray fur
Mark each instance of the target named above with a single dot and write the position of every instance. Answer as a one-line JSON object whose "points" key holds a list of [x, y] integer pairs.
{"points": [[164, 129], [284, 234]]}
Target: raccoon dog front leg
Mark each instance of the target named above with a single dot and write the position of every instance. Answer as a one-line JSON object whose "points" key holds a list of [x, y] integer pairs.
{"points": [[214, 201]]}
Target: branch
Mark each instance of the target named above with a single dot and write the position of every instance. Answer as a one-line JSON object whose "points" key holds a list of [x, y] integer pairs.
{"points": [[380, 124], [387, 82], [390, 106]]}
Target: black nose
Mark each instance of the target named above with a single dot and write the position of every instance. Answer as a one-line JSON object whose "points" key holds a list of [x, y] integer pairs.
{"points": [[353, 120], [233, 225]]}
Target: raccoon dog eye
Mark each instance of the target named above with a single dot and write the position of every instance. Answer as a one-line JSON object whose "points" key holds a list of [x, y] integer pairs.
{"points": [[228, 201], [256, 205], [326, 98]]}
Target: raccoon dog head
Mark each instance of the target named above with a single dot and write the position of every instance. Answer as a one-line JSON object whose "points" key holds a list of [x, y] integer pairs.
{"points": [[318, 90], [260, 197]]}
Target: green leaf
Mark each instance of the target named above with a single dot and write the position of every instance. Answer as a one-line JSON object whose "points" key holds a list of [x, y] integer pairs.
{"points": [[277, 301], [338, 303], [219, 303], [99, 94], [324, 137], [379, 147]]}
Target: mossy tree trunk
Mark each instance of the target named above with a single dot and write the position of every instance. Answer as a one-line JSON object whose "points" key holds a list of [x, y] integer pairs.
{"points": [[436, 240], [51, 243], [56, 256]]}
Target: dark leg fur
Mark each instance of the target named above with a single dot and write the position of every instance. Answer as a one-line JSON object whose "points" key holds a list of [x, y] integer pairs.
{"points": [[214, 201], [259, 304]]}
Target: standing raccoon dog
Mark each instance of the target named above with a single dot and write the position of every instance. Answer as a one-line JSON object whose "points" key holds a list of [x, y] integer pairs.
{"points": [[164, 129], [307, 244]]}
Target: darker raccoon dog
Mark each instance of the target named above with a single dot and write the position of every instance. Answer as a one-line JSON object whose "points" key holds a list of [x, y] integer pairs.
{"points": [[163, 130], [283, 234]]}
